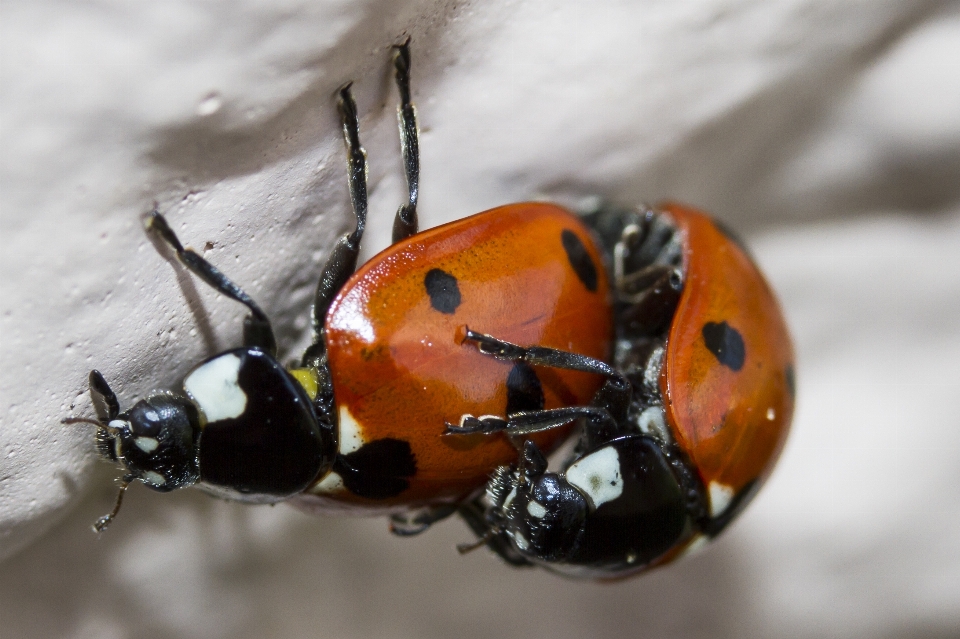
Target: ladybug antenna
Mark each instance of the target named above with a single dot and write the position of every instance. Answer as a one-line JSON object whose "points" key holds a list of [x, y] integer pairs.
{"points": [[86, 420], [101, 524]]}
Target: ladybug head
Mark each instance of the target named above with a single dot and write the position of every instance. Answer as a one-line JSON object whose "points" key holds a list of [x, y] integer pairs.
{"points": [[544, 514], [155, 441]]}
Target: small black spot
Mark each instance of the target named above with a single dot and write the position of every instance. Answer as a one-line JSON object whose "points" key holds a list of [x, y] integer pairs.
{"points": [[580, 260], [524, 392], [443, 291], [378, 470], [726, 343], [790, 376]]}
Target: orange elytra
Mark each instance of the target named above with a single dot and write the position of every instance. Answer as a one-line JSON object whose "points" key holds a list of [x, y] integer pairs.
{"points": [[728, 378], [399, 368]]}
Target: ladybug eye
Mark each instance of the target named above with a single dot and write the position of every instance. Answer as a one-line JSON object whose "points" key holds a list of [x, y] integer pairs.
{"points": [[145, 420]]}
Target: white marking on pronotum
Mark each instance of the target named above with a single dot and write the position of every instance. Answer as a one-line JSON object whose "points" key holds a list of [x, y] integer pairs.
{"points": [[536, 509], [146, 444], [118, 424], [153, 477], [215, 388], [598, 476], [351, 432], [720, 496], [332, 483]]}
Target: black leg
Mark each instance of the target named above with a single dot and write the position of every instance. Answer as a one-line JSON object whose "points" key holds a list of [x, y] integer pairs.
{"points": [[534, 421], [538, 355], [605, 415], [405, 223], [613, 396], [256, 327], [343, 259]]}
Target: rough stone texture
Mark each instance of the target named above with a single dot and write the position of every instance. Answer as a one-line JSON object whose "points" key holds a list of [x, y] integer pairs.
{"points": [[829, 133]]}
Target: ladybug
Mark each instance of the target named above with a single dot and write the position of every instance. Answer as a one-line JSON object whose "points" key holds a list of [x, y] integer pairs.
{"points": [[358, 424], [446, 369], [692, 416]]}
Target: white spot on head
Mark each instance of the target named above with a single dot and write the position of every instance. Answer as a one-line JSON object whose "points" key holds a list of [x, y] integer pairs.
{"points": [[332, 483], [720, 496], [153, 477], [146, 444], [118, 424], [151, 415], [597, 476], [536, 509], [215, 388], [351, 432], [771, 414]]}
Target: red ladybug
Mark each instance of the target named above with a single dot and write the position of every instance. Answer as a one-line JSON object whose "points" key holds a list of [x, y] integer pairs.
{"points": [[692, 417]]}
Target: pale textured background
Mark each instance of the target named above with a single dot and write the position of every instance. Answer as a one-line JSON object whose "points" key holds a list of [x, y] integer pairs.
{"points": [[827, 132]]}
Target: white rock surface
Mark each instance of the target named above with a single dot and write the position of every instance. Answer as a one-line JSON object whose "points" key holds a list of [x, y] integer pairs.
{"points": [[828, 132]]}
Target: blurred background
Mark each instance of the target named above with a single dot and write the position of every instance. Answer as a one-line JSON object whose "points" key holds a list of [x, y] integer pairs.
{"points": [[827, 133]]}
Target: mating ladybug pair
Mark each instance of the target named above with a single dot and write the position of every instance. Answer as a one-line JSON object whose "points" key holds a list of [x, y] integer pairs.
{"points": [[446, 368]]}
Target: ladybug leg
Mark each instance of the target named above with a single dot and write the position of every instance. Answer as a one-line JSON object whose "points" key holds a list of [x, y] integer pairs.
{"points": [[613, 397], [257, 331], [343, 259], [538, 355], [530, 422], [649, 298], [405, 223]]}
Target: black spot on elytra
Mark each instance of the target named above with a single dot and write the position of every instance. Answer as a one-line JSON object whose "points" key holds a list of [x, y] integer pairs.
{"points": [[524, 392], [378, 470], [580, 260], [443, 291], [726, 343], [790, 377]]}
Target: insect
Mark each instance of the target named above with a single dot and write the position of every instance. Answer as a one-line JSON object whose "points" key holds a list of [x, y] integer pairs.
{"points": [[358, 425], [446, 369], [692, 416]]}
